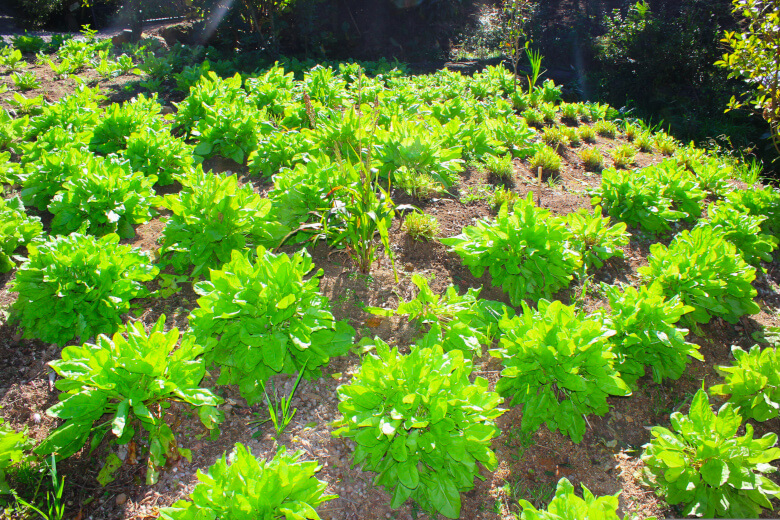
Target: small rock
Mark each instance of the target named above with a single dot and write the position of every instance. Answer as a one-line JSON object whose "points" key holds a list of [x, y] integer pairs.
{"points": [[167, 109], [227, 408], [121, 498]]}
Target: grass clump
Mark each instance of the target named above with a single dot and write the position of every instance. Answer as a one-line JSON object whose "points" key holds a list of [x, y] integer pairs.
{"points": [[548, 159], [421, 226], [587, 133], [555, 137], [592, 160], [500, 167], [503, 196], [623, 156], [605, 128]]}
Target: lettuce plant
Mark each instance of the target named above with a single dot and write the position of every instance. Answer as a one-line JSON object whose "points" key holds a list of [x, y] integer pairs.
{"points": [[678, 185], [713, 176], [764, 202], [47, 176], [594, 238], [160, 154], [16, 230], [13, 448], [210, 91], [741, 229], [752, 382], [420, 424], [53, 141], [76, 112], [631, 198], [526, 251], [558, 365], [211, 217], [120, 121], [701, 466], [705, 270], [133, 376], [646, 335], [464, 322], [230, 130], [244, 487], [259, 317], [78, 286], [106, 196], [566, 505]]}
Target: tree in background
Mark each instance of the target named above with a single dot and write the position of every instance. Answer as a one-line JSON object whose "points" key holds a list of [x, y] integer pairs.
{"points": [[755, 57]]}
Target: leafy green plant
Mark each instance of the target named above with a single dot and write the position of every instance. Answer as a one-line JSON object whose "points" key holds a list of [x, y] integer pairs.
{"points": [[525, 251], [701, 466], [209, 94], [418, 185], [569, 112], [210, 218], [501, 196], [644, 142], [132, 376], [120, 121], [631, 131], [533, 117], [713, 176], [26, 81], [421, 226], [742, 230], [230, 130], [420, 424], [25, 105], [706, 272], [566, 505], [455, 321], [646, 335], [556, 138], [16, 230], [104, 197], [678, 185], [623, 156], [592, 160], [13, 448], [764, 202], [587, 133], [12, 59], [78, 286], [47, 176], [752, 382], [558, 364], [548, 112], [285, 487], [605, 128], [501, 168], [259, 317], [634, 200], [547, 159], [594, 238], [160, 154], [665, 143]]}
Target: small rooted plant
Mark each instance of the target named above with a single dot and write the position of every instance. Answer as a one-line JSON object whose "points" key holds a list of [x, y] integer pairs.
{"points": [[587, 133], [418, 185], [132, 376], [25, 81], [558, 365], [46, 176], [572, 135], [623, 156], [594, 238], [678, 185], [454, 321], [120, 121], [592, 160], [78, 286], [742, 230], [421, 226], [284, 487], [705, 270], [605, 128], [258, 317], [105, 197], [533, 117], [713, 176], [279, 409], [548, 159], [569, 112], [701, 466], [752, 382], [211, 218], [525, 251], [764, 202], [549, 112], [644, 142], [646, 334], [566, 505], [665, 143], [503, 196], [16, 230], [631, 131], [501, 168], [632, 199], [555, 138], [420, 424]]}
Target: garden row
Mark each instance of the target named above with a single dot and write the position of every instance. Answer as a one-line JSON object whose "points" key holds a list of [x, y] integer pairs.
{"points": [[334, 144]]}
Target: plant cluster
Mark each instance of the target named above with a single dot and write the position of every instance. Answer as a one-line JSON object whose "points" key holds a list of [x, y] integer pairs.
{"points": [[526, 251], [78, 286], [741, 229], [258, 317], [16, 230], [706, 272], [134, 377], [701, 465], [13, 448], [594, 238], [558, 365], [752, 382], [420, 424], [566, 505], [421, 226]]}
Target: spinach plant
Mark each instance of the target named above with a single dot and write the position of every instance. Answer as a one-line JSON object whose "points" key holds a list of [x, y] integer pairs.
{"points": [[752, 382], [16, 230]]}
